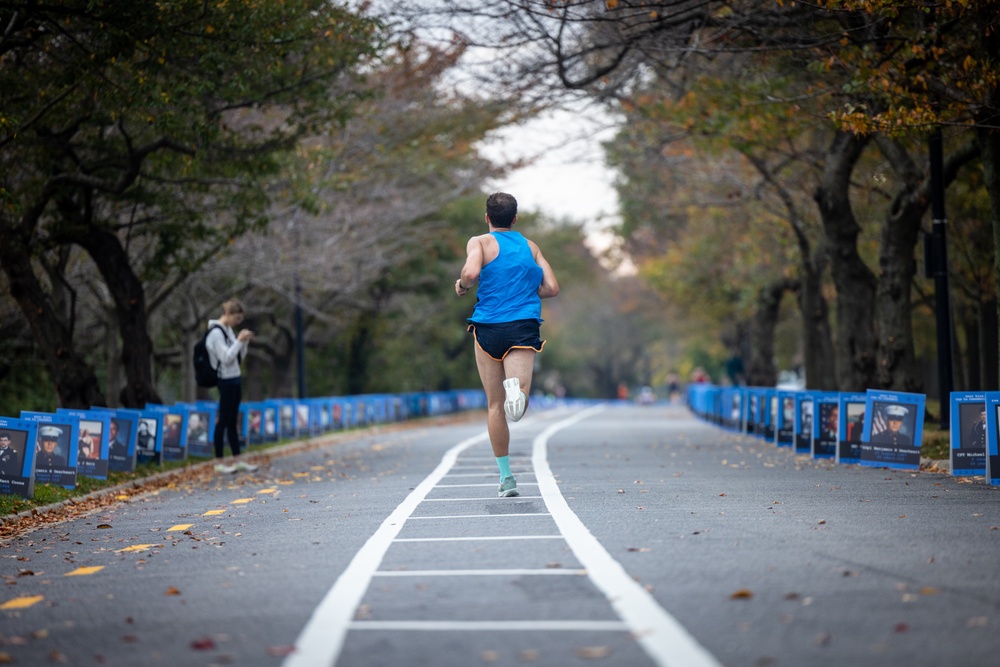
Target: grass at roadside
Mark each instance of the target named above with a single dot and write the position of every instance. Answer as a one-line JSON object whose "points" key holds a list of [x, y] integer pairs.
{"points": [[47, 494]]}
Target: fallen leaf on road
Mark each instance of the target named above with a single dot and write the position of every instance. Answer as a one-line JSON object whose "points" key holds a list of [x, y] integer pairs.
{"points": [[593, 652], [172, 591], [203, 644], [901, 628], [489, 656], [527, 655], [977, 622], [104, 525], [639, 549], [823, 639], [280, 651], [742, 594]]}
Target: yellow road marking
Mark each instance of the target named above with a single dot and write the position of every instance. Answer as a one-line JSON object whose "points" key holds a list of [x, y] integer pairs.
{"points": [[80, 571], [180, 526], [22, 603], [136, 547], [213, 512], [242, 501]]}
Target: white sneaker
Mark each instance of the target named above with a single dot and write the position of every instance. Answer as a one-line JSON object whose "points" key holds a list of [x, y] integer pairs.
{"points": [[516, 401], [248, 467], [225, 469]]}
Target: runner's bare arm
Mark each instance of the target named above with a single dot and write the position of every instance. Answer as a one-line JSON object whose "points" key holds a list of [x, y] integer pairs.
{"points": [[472, 268], [550, 286]]}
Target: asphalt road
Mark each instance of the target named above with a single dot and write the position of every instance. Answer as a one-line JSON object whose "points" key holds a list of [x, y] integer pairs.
{"points": [[641, 537]]}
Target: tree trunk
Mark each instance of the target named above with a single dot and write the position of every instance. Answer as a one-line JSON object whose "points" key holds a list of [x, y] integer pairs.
{"points": [[129, 299], [855, 283], [897, 363], [76, 382], [761, 371], [819, 357]]}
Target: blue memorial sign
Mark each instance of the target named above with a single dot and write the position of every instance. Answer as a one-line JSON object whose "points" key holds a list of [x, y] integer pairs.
{"points": [[58, 448], [94, 431], [753, 410], [17, 456], [993, 437], [121, 438], [852, 425], [968, 433], [785, 431], [826, 425], [174, 439], [149, 441], [199, 427], [770, 414], [804, 403], [893, 434]]}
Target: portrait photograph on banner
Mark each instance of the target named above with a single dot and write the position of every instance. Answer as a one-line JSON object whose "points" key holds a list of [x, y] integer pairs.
{"points": [[852, 425], [826, 425], [57, 452], [17, 456], [993, 437], [803, 423], [892, 437], [93, 443], [968, 434]]}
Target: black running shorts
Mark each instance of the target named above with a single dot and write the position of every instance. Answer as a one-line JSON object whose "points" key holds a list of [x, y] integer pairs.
{"points": [[498, 339]]}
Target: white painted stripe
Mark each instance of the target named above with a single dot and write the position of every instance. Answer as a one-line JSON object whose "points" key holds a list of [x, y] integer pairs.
{"points": [[489, 626], [478, 500], [505, 538], [475, 516], [487, 474], [494, 485], [480, 573], [666, 641], [320, 641]]}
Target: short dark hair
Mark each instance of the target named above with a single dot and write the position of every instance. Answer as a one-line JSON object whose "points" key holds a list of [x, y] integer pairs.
{"points": [[501, 209]]}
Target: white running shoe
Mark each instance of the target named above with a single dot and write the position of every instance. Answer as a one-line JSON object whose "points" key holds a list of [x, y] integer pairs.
{"points": [[225, 469], [516, 401], [247, 467]]}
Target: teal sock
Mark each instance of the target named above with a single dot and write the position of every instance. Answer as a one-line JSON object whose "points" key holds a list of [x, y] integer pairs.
{"points": [[504, 463]]}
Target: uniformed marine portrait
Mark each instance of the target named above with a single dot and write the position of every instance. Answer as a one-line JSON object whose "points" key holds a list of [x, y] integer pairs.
{"points": [[52, 448], [892, 425]]}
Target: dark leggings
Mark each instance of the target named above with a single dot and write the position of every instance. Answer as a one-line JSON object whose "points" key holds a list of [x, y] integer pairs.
{"points": [[230, 395]]}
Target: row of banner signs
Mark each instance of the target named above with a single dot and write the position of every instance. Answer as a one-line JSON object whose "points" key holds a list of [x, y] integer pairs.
{"points": [[875, 428], [56, 448]]}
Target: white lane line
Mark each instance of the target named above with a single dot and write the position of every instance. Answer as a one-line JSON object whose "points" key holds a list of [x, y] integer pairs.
{"points": [[487, 474], [474, 516], [481, 573], [489, 626], [320, 641], [494, 485], [478, 500], [666, 641], [505, 538]]}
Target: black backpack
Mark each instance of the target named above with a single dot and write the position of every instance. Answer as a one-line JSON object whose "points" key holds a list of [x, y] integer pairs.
{"points": [[205, 374]]}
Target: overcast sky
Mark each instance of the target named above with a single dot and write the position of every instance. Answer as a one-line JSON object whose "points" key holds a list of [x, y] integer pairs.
{"points": [[568, 178]]}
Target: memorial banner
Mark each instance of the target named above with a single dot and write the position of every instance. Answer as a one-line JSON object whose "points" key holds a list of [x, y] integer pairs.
{"points": [[893, 434], [968, 433], [17, 456], [852, 424], [58, 448]]}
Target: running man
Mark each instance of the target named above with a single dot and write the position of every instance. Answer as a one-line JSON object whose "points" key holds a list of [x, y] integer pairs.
{"points": [[513, 278]]}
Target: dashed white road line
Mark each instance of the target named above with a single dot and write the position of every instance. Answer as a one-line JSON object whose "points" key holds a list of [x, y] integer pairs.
{"points": [[320, 641], [664, 639]]}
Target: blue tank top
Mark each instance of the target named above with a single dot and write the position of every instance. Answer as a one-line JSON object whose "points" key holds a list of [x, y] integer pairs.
{"points": [[508, 286]]}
